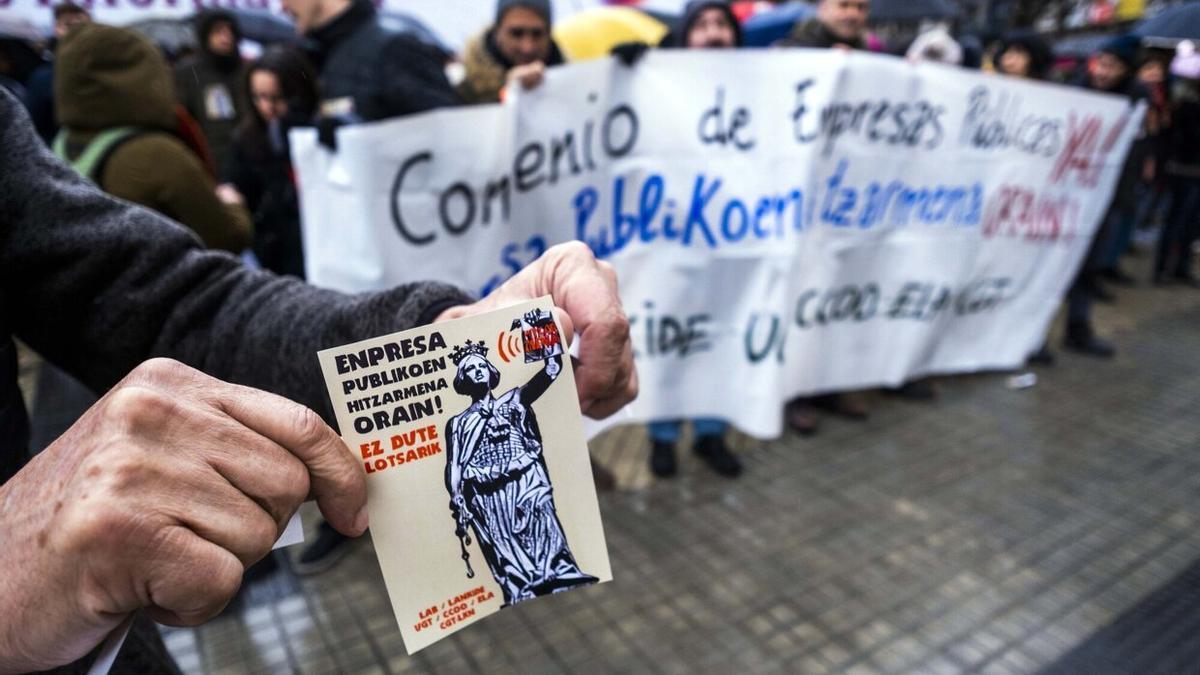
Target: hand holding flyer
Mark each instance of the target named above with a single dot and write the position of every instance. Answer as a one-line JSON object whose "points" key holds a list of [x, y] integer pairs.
{"points": [[478, 480]]}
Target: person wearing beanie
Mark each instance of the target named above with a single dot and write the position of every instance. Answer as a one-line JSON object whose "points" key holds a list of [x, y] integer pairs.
{"points": [[116, 104], [517, 47], [1175, 255], [208, 82]]}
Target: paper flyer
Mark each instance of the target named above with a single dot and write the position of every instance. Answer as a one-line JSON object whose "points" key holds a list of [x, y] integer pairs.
{"points": [[478, 481]]}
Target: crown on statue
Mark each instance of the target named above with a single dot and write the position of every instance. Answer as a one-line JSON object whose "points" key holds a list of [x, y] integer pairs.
{"points": [[468, 349]]}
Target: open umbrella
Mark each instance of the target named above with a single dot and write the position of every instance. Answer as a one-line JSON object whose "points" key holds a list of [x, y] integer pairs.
{"points": [[1080, 46], [593, 33], [171, 35], [1181, 22], [767, 28], [264, 26], [407, 23], [912, 10]]}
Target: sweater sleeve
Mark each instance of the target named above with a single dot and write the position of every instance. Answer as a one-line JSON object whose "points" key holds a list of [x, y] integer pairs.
{"points": [[98, 285]]}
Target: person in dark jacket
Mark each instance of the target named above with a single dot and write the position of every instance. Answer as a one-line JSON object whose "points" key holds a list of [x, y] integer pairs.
{"points": [[517, 47], [1111, 70], [164, 491], [838, 23], [116, 103], [208, 83], [1174, 258], [282, 89], [368, 72]]}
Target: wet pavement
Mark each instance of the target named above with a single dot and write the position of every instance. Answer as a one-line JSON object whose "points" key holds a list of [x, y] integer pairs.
{"points": [[996, 530]]}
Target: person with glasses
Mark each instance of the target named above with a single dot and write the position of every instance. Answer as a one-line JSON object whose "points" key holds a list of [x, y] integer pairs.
{"points": [[516, 48]]}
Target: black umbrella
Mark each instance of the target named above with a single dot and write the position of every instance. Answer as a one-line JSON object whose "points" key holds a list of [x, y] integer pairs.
{"points": [[1181, 22], [407, 23], [171, 35], [1080, 46], [263, 26], [912, 10]]}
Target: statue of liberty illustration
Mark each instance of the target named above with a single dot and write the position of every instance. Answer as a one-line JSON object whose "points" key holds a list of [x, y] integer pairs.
{"points": [[496, 473]]}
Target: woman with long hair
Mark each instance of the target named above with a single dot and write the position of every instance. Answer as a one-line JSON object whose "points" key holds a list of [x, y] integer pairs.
{"points": [[282, 88]]}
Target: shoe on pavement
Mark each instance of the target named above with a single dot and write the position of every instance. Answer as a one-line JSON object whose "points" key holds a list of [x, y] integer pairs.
{"points": [[800, 416], [916, 390], [713, 451], [1042, 357], [662, 459], [849, 404], [1081, 339], [1117, 276]]}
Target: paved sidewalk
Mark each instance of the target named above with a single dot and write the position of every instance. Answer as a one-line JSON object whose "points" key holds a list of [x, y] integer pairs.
{"points": [[992, 531]]}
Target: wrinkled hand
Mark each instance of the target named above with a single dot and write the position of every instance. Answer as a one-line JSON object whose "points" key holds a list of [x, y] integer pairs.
{"points": [[529, 75], [158, 498], [585, 290]]}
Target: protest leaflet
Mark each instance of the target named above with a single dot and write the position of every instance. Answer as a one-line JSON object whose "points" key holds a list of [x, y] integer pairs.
{"points": [[478, 481]]}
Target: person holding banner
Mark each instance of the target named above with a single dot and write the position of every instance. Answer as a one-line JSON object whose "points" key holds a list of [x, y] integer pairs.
{"points": [[1111, 70], [705, 24], [158, 498], [840, 24], [517, 47]]}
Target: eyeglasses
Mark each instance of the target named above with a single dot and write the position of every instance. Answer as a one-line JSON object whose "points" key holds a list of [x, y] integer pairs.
{"points": [[519, 33]]}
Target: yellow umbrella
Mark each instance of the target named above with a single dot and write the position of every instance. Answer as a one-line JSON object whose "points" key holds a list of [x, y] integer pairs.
{"points": [[593, 33]]}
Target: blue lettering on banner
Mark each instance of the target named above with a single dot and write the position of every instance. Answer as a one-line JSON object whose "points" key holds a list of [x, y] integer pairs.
{"points": [[713, 219]]}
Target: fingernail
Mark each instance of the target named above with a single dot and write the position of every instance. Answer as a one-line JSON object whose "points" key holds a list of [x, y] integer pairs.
{"points": [[362, 521]]}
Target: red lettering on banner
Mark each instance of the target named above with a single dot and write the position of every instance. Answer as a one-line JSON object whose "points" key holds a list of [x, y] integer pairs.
{"points": [[1085, 152], [1016, 211]]}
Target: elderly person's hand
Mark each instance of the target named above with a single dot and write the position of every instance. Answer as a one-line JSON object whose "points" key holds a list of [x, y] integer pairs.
{"points": [[586, 291], [158, 498]]}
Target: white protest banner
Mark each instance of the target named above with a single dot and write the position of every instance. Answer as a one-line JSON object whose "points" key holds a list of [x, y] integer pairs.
{"points": [[478, 481], [782, 222]]}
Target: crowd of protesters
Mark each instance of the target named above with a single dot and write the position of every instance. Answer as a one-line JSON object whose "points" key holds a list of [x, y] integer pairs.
{"points": [[204, 142]]}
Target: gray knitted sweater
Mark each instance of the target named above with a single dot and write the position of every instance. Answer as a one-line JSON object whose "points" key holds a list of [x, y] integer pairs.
{"points": [[97, 286]]}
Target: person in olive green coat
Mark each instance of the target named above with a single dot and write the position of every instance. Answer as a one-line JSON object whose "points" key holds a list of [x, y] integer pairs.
{"points": [[115, 101]]}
